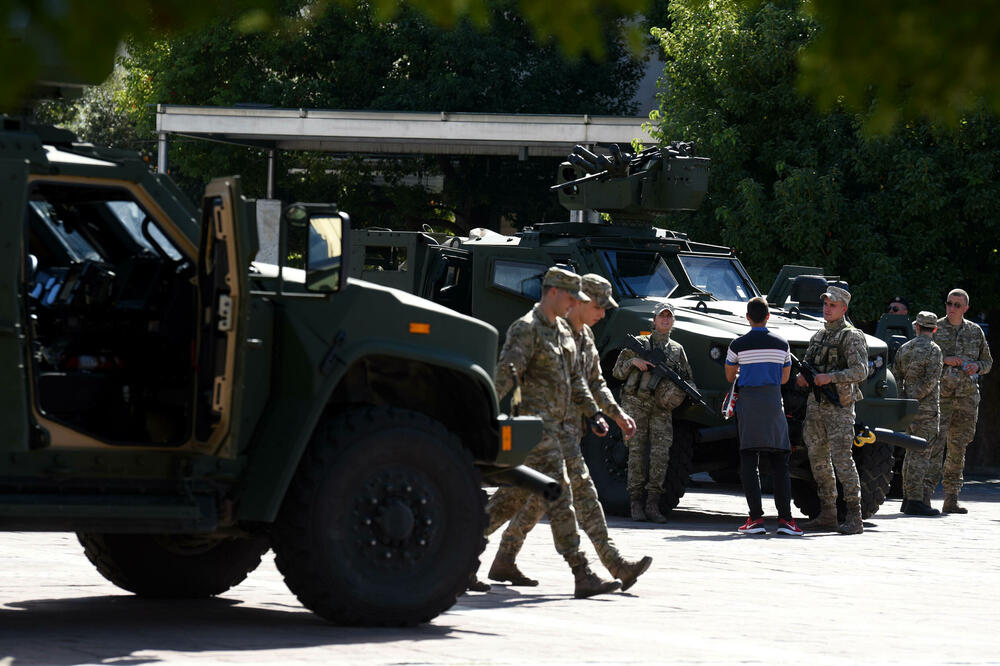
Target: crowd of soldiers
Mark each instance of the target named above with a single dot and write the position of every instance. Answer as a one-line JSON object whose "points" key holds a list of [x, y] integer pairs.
{"points": [[550, 356]]}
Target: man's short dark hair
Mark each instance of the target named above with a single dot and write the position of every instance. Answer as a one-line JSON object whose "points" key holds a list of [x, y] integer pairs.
{"points": [[757, 310], [924, 329]]}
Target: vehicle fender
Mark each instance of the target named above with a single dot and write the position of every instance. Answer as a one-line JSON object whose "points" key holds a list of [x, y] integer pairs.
{"points": [[280, 446]]}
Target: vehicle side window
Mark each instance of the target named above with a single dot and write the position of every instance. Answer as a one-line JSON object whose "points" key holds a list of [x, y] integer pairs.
{"points": [[519, 277], [385, 258]]}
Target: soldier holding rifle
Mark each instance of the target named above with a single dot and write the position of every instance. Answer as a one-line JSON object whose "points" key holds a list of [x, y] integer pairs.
{"points": [[840, 354], [651, 402]]}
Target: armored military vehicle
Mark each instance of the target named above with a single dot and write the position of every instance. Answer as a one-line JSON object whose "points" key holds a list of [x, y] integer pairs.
{"points": [[183, 408], [497, 278]]}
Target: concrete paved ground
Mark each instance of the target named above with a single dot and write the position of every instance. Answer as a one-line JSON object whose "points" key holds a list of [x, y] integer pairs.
{"points": [[909, 590]]}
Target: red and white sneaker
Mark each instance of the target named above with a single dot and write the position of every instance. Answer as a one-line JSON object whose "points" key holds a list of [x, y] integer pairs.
{"points": [[753, 527], [789, 527]]}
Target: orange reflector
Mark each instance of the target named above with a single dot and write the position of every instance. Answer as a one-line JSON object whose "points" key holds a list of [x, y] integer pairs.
{"points": [[417, 327], [505, 438], [645, 332]]}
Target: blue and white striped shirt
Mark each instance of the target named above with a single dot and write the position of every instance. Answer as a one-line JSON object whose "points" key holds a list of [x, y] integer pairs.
{"points": [[761, 356]]}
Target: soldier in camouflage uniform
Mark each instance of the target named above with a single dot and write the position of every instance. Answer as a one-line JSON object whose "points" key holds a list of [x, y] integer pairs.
{"points": [[589, 512], [966, 356], [540, 347], [651, 402], [918, 370], [840, 354]]}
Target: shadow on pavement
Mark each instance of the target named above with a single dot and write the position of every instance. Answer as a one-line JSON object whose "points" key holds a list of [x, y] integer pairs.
{"points": [[112, 629], [502, 595]]}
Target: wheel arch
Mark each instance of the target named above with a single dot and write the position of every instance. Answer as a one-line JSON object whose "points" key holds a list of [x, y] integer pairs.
{"points": [[454, 391]]}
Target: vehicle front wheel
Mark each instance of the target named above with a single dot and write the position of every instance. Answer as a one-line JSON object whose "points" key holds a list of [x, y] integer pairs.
{"points": [[174, 565], [383, 522]]}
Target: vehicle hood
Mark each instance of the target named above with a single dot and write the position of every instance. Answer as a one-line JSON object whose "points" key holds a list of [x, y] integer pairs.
{"points": [[727, 319]]}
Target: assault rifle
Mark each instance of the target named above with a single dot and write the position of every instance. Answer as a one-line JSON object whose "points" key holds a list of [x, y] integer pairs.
{"points": [[660, 368], [809, 372]]}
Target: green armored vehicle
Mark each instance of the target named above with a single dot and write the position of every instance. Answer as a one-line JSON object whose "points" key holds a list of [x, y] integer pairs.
{"points": [[497, 278], [183, 408]]}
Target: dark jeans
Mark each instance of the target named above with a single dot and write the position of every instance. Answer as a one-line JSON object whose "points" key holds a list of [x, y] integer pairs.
{"points": [[779, 476]]}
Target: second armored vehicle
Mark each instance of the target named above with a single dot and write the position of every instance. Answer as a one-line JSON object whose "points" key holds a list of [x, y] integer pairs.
{"points": [[496, 278]]}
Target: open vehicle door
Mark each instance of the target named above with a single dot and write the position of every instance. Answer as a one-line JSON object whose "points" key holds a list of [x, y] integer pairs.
{"points": [[223, 263], [16, 267]]}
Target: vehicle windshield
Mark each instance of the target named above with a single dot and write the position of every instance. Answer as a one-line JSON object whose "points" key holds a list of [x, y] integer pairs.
{"points": [[719, 276], [640, 274]]}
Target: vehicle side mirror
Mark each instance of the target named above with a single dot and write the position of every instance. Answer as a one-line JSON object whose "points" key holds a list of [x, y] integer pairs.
{"points": [[326, 241]]}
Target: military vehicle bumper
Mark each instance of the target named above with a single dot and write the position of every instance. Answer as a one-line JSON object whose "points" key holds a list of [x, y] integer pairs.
{"points": [[518, 436], [891, 413]]}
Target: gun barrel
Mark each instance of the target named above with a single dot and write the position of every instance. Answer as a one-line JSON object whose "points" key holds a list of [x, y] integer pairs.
{"points": [[529, 479], [900, 439]]}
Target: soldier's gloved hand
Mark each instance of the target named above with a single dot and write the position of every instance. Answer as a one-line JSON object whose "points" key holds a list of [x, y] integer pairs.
{"points": [[800, 381], [599, 426], [627, 424]]}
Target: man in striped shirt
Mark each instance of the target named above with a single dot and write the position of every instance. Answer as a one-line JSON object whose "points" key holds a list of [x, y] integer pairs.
{"points": [[763, 362]]}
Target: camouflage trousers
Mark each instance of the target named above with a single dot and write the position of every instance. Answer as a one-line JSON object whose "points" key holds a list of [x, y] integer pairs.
{"points": [[589, 512], [958, 427], [654, 432], [507, 501], [919, 475], [828, 432]]}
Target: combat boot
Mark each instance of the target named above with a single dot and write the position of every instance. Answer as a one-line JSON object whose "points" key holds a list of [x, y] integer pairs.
{"points": [[476, 585], [636, 512], [588, 583], [951, 505], [852, 522], [826, 520], [505, 569], [915, 508], [653, 509], [627, 571]]}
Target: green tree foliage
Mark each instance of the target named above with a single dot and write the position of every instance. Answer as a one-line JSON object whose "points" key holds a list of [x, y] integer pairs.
{"points": [[938, 60], [912, 212], [75, 41], [346, 59]]}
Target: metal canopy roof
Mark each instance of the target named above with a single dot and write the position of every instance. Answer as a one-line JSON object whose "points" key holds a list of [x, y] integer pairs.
{"points": [[398, 132]]}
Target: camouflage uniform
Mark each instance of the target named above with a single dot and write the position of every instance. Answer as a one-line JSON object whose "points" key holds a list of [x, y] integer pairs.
{"points": [[828, 431], [545, 357], [917, 368], [589, 512], [959, 401], [651, 404]]}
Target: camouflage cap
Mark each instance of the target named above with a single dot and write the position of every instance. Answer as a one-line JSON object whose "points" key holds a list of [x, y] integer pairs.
{"points": [[599, 290], [660, 307], [563, 279], [837, 294], [928, 319]]}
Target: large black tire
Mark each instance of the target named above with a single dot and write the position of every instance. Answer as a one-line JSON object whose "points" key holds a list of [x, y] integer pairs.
{"points": [[173, 565], [383, 522], [874, 463], [607, 461]]}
